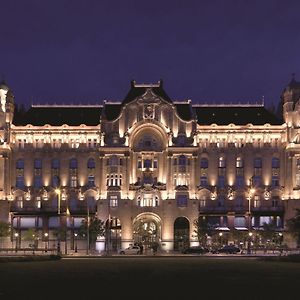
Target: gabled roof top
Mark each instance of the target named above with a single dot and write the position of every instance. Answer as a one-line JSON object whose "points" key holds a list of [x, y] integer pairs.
{"points": [[56, 115], [137, 90], [239, 115]]}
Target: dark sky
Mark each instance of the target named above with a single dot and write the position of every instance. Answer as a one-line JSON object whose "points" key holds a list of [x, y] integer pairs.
{"points": [[208, 51]]}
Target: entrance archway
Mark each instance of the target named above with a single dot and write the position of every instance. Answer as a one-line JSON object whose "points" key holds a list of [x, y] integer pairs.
{"points": [[181, 233], [147, 230]]}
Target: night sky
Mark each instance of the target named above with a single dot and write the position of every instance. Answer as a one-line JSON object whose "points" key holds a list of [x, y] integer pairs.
{"points": [[74, 51]]}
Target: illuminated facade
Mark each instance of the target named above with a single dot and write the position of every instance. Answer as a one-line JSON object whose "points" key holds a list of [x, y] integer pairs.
{"points": [[150, 165]]}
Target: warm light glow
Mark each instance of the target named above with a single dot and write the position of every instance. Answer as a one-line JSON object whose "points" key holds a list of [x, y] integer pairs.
{"points": [[57, 191]]}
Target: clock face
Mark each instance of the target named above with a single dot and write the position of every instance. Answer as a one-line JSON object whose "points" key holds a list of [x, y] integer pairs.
{"points": [[148, 111]]}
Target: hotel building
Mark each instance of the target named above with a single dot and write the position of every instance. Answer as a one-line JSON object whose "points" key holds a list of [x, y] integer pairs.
{"points": [[149, 165]]}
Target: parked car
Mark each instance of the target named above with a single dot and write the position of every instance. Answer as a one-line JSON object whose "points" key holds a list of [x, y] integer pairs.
{"points": [[229, 249], [195, 250], [131, 250]]}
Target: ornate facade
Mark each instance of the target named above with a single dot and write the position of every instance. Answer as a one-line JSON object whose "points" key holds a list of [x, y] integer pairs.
{"points": [[150, 165]]}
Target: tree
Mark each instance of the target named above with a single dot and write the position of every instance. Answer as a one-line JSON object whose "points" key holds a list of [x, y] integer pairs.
{"points": [[4, 230], [293, 226], [203, 229], [32, 236], [96, 228]]}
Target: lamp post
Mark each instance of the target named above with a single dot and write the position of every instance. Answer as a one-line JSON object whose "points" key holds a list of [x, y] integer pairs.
{"points": [[75, 236], [58, 192], [46, 241], [220, 235], [251, 193], [16, 236]]}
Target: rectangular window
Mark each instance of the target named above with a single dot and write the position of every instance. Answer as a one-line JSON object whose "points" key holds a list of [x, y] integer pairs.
{"points": [[20, 182], [256, 202], [38, 202], [203, 181], [275, 202], [91, 181], [113, 201], [202, 203], [221, 181], [73, 181], [37, 182], [182, 200], [239, 181], [239, 222], [20, 202]]}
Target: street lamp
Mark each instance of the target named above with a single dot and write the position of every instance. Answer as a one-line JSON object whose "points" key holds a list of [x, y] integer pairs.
{"points": [[16, 236], [46, 241], [250, 195], [58, 192], [220, 235], [75, 236]]}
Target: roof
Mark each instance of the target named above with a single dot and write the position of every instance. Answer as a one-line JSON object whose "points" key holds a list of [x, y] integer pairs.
{"points": [[39, 115], [137, 90], [239, 115], [111, 111], [185, 111]]}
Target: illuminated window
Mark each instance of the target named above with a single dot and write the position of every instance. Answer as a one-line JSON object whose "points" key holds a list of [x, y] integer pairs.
{"points": [[113, 200], [20, 202], [256, 202], [222, 162]]}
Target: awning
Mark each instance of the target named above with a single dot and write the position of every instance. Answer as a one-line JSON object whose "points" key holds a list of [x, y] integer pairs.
{"points": [[223, 228], [241, 228]]}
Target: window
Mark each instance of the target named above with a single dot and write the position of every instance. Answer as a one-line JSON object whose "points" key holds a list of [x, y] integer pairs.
{"points": [[275, 163], [256, 202], [275, 171], [20, 202], [202, 203], [258, 163], [204, 163], [20, 164], [20, 174], [91, 181], [55, 164], [275, 202], [73, 181], [38, 182], [239, 181], [182, 200], [239, 222], [222, 162], [113, 201], [221, 181], [73, 163], [203, 181], [91, 163], [38, 202]]}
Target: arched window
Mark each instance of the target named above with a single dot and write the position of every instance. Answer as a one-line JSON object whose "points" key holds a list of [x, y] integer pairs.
{"points": [[204, 163], [91, 163]]}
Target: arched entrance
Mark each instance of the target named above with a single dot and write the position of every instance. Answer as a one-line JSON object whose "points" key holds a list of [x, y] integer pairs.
{"points": [[147, 229], [181, 233]]}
